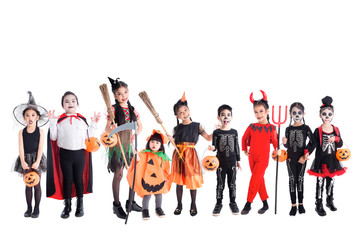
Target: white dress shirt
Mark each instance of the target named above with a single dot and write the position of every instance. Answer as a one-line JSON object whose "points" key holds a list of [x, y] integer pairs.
{"points": [[71, 132]]}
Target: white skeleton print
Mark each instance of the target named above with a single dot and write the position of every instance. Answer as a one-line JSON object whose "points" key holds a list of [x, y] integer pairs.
{"points": [[296, 139], [330, 147], [227, 143]]}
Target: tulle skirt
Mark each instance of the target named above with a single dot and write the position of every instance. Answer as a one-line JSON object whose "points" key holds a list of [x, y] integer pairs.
{"points": [[327, 166], [30, 159]]}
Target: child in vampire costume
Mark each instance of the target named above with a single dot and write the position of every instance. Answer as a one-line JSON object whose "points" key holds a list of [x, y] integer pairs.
{"points": [[258, 136], [325, 165], [31, 141], [124, 112], [69, 164], [152, 173], [225, 143], [298, 152], [186, 168]]}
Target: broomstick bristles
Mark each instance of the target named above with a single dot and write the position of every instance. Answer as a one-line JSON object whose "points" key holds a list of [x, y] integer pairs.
{"points": [[143, 95], [105, 94]]}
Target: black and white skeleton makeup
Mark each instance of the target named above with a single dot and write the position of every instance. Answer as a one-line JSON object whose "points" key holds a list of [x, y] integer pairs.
{"points": [[327, 115], [297, 114], [225, 117]]}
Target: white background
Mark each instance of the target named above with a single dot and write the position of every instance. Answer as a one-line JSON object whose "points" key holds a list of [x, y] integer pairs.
{"points": [[218, 52]]}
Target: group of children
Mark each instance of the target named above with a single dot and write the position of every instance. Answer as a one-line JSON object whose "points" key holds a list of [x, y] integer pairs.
{"points": [[69, 165]]}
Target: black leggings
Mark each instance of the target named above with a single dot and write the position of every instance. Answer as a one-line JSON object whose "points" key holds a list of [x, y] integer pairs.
{"points": [[72, 166], [221, 173], [296, 172]]}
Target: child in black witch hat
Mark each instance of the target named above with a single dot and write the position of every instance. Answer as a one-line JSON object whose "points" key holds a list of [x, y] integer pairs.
{"points": [[325, 165], [124, 112], [31, 143]]}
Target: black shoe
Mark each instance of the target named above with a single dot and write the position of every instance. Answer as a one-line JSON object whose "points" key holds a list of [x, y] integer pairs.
{"points": [[67, 209], [319, 208], [28, 213], [193, 212], [246, 208], [35, 213], [234, 208], [330, 204], [79, 207], [264, 208], [293, 211], [159, 212], [217, 209], [178, 210], [301, 209], [119, 211], [145, 214], [134, 206]]}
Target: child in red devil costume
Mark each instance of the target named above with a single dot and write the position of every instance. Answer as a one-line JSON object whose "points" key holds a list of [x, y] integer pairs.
{"points": [[258, 137]]}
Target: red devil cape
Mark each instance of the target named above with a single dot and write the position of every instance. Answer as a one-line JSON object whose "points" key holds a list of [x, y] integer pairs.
{"points": [[54, 176]]}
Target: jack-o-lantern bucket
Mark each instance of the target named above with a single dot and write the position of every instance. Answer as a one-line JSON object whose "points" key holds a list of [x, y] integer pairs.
{"points": [[92, 144], [210, 163], [282, 157], [343, 154], [31, 179], [111, 142]]}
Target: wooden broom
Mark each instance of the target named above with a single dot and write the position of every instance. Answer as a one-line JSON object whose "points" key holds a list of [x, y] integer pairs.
{"points": [[143, 95], [105, 94]]}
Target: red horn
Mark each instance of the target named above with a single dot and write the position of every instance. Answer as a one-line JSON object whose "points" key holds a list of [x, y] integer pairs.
{"points": [[264, 95], [252, 98]]}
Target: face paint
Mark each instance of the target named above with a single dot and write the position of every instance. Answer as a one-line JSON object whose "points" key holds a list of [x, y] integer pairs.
{"points": [[327, 115], [225, 117], [297, 114]]}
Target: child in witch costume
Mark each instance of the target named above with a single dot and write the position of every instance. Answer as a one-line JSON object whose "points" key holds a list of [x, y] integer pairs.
{"points": [[31, 142], [325, 165], [186, 169], [68, 161], [124, 112], [152, 173], [258, 136], [225, 142], [298, 153]]}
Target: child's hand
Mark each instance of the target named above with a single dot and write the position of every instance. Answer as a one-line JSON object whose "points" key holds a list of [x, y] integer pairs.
{"points": [[246, 153], [302, 160], [96, 117], [331, 139], [35, 165], [211, 148], [279, 152], [25, 166], [284, 140], [238, 165], [170, 137], [51, 115]]}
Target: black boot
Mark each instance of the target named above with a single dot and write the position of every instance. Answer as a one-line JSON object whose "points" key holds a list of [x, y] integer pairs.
{"points": [[28, 212], [246, 208], [134, 206], [330, 204], [67, 209], [79, 207], [264, 208], [330, 194], [119, 211], [319, 208]]}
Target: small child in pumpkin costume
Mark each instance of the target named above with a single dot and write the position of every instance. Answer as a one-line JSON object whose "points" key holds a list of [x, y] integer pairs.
{"points": [[226, 144], [31, 143], [152, 173], [186, 168], [124, 112], [325, 165]]}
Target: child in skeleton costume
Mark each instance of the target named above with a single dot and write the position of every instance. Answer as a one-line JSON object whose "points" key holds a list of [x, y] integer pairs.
{"points": [[186, 168], [298, 153], [225, 142], [124, 112], [152, 173], [69, 164], [258, 136], [31, 142], [325, 165]]}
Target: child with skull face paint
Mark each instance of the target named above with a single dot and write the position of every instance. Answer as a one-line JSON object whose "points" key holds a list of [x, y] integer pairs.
{"points": [[298, 152], [325, 165], [225, 143]]}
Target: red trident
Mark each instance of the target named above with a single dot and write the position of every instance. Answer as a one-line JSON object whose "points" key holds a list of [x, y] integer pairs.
{"points": [[277, 158]]}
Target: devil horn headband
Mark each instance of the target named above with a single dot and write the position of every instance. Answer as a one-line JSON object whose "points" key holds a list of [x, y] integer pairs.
{"points": [[252, 98]]}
